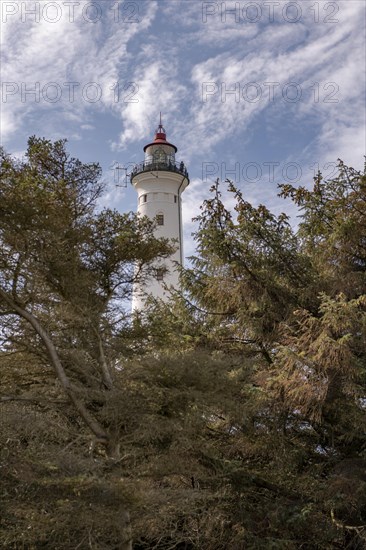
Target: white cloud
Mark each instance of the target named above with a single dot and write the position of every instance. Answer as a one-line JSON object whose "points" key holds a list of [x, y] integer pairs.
{"points": [[321, 55], [158, 89], [168, 56], [73, 62]]}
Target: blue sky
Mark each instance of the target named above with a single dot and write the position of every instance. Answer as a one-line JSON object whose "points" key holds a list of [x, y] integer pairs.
{"points": [[263, 92]]}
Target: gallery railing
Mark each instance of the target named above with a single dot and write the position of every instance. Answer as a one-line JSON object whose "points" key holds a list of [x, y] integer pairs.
{"points": [[154, 166]]}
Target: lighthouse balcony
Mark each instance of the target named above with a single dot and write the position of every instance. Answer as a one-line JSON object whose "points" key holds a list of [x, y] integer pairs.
{"points": [[155, 166]]}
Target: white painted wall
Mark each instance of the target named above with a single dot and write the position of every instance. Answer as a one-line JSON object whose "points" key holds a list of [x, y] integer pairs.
{"points": [[159, 192]]}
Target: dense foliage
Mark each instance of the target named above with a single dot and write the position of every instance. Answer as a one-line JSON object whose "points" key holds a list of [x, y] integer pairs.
{"points": [[232, 417]]}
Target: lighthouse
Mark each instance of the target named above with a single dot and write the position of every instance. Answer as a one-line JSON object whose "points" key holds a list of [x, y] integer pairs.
{"points": [[159, 182]]}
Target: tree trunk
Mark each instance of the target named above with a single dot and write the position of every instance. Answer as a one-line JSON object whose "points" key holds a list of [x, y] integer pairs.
{"points": [[106, 374], [126, 543], [94, 426]]}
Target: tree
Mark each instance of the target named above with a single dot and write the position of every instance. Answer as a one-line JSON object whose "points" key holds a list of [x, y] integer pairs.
{"points": [[248, 269], [296, 301], [63, 265], [238, 406]]}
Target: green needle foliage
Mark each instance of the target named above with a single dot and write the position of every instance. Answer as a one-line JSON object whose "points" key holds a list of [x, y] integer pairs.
{"points": [[231, 417]]}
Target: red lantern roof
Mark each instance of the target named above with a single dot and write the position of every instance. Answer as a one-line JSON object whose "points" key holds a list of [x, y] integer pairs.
{"points": [[160, 138]]}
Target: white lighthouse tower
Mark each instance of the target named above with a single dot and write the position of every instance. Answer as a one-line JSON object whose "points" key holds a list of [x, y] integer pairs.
{"points": [[160, 181]]}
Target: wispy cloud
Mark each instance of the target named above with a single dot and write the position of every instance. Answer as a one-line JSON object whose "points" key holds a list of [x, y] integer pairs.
{"points": [[210, 73], [70, 67]]}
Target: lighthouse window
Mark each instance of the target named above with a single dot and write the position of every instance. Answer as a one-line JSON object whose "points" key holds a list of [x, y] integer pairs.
{"points": [[160, 219], [175, 198], [160, 273], [143, 198], [159, 155]]}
